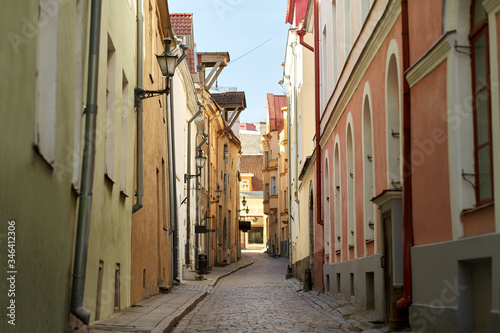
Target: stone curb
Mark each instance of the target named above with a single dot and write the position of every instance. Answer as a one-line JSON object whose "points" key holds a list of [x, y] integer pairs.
{"points": [[170, 325], [216, 280]]}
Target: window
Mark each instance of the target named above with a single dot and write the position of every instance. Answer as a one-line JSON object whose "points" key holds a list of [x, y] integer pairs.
{"points": [[267, 192], [117, 288], [226, 153], [225, 183], [324, 65], [46, 80], [267, 159], [124, 136], [483, 156], [347, 16], [110, 110], [365, 9], [273, 185], [245, 185], [334, 42], [78, 93]]}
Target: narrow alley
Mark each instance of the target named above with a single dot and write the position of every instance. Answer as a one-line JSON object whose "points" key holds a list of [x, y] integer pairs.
{"points": [[250, 166], [258, 298]]}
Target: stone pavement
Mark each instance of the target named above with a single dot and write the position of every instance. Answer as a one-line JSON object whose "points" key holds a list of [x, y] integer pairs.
{"points": [[256, 299], [260, 299], [162, 312]]}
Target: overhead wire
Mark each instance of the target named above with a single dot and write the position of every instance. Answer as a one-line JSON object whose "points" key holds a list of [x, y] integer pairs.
{"points": [[255, 48]]}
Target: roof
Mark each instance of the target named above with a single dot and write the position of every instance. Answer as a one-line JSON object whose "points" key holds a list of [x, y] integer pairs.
{"points": [[247, 127], [182, 23], [232, 98], [253, 164], [274, 114], [296, 11]]}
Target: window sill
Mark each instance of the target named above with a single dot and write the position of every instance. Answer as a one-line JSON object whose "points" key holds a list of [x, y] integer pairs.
{"points": [[109, 178], [475, 209], [44, 158]]}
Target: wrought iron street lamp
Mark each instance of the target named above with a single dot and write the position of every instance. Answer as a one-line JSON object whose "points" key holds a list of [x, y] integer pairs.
{"points": [[218, 193], [167, 63], [200, 162]]}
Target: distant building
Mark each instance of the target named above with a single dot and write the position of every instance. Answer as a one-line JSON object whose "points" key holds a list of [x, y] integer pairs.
{"points": [[251, 137], [251, 187], [272, 149]]}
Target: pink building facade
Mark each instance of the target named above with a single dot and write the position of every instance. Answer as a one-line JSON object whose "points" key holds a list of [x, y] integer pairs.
{"points": [[407, 163]]}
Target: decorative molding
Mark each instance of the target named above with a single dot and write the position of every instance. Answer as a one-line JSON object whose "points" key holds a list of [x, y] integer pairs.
{"points": [[491, 6], [373, 45], [438, 53]]}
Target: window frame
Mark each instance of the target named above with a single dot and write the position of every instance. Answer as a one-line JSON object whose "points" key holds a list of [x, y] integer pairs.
{"points": [[477, 31]]}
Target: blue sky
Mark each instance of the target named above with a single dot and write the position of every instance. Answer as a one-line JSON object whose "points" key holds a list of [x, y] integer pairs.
{"points": [[238, 26]]}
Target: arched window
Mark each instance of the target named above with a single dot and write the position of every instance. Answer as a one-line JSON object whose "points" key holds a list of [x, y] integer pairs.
{"points": [[393, 123], [368, 167], [337, 208], [327, 219], [351, 210]]}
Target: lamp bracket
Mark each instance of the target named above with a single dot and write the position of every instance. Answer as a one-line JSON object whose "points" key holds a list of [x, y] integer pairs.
{"points": [[141, 94]]}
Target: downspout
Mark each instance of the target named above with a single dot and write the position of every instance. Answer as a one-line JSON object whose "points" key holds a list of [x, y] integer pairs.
{"points": [[301, 34], [88, 163], [296, 134], [197, 219], [172, 178], [188, 185], [139, 171], [288, 156], [406, 300], [317, 121], [317, 113]]}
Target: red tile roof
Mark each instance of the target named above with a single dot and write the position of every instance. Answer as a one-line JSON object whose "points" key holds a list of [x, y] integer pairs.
{"points": [[274, 114], [247, 127], [182, 23], [253, 164]]}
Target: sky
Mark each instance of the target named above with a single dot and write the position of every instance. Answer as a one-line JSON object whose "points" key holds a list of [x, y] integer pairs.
{"points": [[237, 27]]}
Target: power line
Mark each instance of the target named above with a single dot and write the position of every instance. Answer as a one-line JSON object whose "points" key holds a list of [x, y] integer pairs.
{"points": [[255, 48]]}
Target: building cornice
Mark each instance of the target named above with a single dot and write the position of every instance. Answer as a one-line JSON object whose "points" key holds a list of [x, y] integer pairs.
{"points": [[491, 6], [430, 60], [374, 43]]}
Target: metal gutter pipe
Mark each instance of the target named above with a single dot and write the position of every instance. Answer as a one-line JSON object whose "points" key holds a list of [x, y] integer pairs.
{"points": [[172, 178], [139, 166], [88, 163], [197, 242], [289, 171], [317, 115], [188, 182], [406, 300], [301, 34]]}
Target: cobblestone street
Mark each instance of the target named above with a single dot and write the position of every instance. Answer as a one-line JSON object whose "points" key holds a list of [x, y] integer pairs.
{"points": [[258, 298]]}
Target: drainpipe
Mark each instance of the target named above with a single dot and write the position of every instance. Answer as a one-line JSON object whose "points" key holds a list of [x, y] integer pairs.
{"points": [[289, 171], [87, 176], [172, 178], [197, 219], [406, 300], [139, 171], [301, 34], [317, 121], [188, 182]]}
